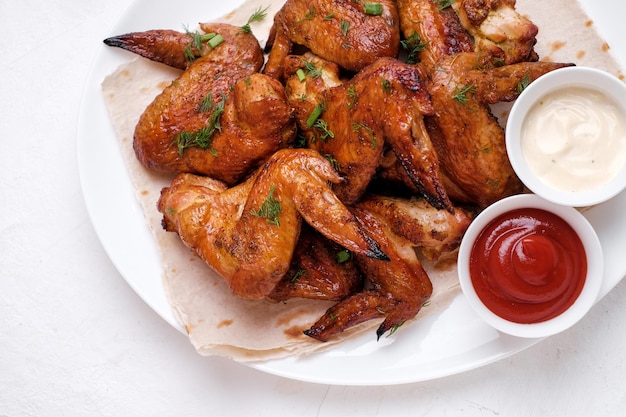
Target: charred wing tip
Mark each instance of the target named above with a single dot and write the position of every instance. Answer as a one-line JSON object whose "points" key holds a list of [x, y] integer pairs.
{"points": [[314, 333], [375, 252], [114, 41], [380, 331]]}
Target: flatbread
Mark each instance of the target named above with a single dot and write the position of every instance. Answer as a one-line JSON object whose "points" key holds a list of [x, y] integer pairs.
{"points": [[218, 322]]}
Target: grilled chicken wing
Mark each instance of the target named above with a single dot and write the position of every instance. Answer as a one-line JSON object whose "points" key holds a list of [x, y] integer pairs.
{"points": [[491, 28], [469, 140], [220, 117], [168, 47], [383, 105], [397, 289], [248, 233], [340, 31], [419, 222], [318, 271], [498, 29], [432, 32]]}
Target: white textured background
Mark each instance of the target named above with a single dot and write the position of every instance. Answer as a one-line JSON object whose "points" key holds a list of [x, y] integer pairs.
{"points": [[75, 340]]}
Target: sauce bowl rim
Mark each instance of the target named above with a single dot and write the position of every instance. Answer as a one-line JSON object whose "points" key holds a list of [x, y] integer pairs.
{"points": [[585, 77]]}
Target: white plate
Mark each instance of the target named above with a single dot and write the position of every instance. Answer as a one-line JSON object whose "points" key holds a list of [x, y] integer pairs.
{"points": [[453, 341]]}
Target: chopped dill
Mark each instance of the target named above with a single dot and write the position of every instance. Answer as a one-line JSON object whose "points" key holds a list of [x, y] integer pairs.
{"points": [[270, 209]]}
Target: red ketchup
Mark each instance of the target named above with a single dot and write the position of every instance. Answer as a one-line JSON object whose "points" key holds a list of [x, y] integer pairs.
{"points": [[528, 265]]}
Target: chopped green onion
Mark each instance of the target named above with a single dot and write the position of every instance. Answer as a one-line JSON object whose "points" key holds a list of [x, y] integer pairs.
{"points": [[344, 256], [301, 75], [216, 40], [374, 9], [315, 114]]}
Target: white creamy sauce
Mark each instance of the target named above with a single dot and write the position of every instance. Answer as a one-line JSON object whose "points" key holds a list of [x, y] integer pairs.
{"points": [[575, 139]]}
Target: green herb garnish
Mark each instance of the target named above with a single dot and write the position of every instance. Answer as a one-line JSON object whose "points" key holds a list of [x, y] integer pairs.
{"points": [[312, 70], [258, 16], [322, 126], [394, 328], [358, 126], [460, 93], [300, 74], [344, 256], [196, 43], [386, 85], [413, 45], [299, 273], [352, 96], [315, 114], [344, 26], [270, 209], [523, 83], [373, 9], [443, 4], [335, 164], [203, 138]]}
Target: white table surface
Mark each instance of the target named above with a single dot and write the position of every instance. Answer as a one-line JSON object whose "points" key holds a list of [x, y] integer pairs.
{"points": [[76, 340]]}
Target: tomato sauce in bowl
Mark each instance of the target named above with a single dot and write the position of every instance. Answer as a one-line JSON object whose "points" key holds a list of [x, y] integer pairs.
{"points": [[528, 265]]}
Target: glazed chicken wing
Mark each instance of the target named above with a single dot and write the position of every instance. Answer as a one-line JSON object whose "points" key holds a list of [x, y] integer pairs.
{"points": [[220, 117], [431, 32], [341, 31], [469, 140], [397, 289], [498, 29], [383, 105], [169, 47], [320, 269], [248, 233], [418, 222], [491, 28]]}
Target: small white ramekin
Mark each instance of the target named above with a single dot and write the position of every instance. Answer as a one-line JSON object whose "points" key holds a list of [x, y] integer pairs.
{"points": [[591, 288], [585, 77]]}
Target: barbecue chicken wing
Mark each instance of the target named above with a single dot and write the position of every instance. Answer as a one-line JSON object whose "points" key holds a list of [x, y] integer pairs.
{"points": [[220, 117], [320, 269], [397, 289], [341, 31], [431, 32], [382, 106], [498, 29], [248, 233], [469, 140], [491, 28], [169, 47], [418, 222]]}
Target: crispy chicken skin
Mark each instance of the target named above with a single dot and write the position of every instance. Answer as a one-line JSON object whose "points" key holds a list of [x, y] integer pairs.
{"points": [[160, 45], [382, 106], [174, 132], [439, 30], [469, 140], [398, 291], [316, 272], [491, 28], [395, 290], [337, 30], [233, 231], [498, 29], [419, 222]]}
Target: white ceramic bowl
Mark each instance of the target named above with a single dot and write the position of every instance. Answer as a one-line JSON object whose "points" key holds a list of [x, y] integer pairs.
{"points": [[581, 305], [583, 77]]}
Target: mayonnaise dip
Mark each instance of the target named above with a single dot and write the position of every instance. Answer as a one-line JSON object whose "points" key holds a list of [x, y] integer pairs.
{"points": [[574, 139]]}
